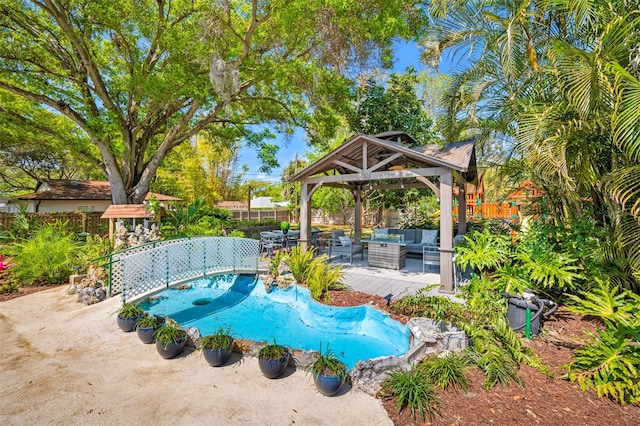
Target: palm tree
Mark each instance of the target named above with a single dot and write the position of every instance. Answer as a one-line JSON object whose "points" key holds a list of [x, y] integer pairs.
{"points": [[559, 79]]}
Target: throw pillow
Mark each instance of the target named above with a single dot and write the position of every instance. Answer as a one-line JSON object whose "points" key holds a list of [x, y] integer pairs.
{"points": [[345, 241], [429, 237]]}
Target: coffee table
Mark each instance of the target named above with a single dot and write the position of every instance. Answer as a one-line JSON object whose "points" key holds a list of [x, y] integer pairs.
{"points": [[386, 253]]}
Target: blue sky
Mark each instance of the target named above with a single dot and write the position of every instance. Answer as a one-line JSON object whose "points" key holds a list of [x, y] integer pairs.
{"points": [[406, 55]]}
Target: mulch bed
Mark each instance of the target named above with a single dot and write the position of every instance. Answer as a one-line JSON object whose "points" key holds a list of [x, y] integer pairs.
{"points": [[23, 291], [541, 400]]}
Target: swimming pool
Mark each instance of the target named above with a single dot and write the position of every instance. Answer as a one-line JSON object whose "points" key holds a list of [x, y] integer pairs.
{"points": [[288, 316]]}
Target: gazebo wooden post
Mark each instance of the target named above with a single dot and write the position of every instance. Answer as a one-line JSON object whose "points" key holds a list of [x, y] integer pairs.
{"points": [[446, 231], [305, 216], [462, 210], [357, 220]]}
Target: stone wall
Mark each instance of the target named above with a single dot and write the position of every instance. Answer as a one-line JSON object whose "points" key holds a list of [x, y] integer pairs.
{"points": [[428, 337]]}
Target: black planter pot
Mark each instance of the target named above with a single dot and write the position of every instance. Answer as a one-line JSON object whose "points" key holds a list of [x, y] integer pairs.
{"points": [[329, 385], [217, 357], [146, 334], [170, 350], [127, 324], [273, 368]]}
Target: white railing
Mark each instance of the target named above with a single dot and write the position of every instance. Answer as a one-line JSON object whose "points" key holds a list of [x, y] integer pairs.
{"points": [[181, 261], [116, 277]]}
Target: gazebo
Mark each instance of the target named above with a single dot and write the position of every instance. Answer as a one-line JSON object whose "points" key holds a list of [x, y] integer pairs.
{"points": [[392, 160]]}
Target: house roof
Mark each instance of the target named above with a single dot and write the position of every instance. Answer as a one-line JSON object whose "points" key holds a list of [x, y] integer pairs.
{"points": [[528, 189], [126, 211], [386, 150], [66, 189]]}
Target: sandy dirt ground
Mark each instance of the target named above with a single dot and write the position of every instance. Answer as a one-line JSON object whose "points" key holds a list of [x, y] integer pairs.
{"points": [[66, 363]]}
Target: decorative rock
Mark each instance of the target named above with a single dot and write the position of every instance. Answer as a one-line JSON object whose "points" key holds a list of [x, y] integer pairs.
{"points": [[90, 288], [141, 235], [193, 337]]}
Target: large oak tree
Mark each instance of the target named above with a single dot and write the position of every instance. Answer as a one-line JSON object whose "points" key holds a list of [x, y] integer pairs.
{"points": [[138, 78]]}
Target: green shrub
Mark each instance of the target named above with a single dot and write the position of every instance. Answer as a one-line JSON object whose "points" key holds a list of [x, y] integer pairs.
{"points": [[47, 257], [412, 390], [95, 247], [447, 371], [299, 261], [322, 277]]}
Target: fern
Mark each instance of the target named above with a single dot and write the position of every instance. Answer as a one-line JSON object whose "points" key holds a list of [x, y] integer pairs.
{"points": [[498, 367], [484, 251]]}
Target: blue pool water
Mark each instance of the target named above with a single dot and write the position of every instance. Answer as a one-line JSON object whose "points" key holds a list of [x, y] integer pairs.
{"points": [[290, 317]]}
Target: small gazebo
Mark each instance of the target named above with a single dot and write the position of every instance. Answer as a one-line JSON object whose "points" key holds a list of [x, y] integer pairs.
{"points": [[392, 160]]}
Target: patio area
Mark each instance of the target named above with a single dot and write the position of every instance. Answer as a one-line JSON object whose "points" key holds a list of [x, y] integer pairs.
{"points": [[382, 281]]}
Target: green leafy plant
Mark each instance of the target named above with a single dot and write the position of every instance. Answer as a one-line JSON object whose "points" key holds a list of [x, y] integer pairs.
{"points": [[447, 371], [47, 257], [607, 302], [322, 277], [484, 251], [284, 225], [497, 349], [315, 273], [327, 363], [412, 390], [299, 261], [608, 363], [272, 351], [169, 332], [220, 339], [130, 310]]}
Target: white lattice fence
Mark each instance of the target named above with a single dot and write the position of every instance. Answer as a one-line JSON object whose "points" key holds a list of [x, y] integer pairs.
{"points": [[115, 264], [180, 261]]}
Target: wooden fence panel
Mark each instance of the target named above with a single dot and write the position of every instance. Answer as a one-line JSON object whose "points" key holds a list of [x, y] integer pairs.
{"points": [[279, 215], [89, 222]]}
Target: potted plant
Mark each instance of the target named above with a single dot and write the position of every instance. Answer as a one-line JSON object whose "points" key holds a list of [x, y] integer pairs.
{"points": [[217, 347], [273, 360], [284, 226], [170, 338], [127, 316], [329, 373], [146, 325]]}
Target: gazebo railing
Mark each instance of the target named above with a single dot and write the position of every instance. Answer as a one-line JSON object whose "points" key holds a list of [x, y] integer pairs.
{"points": [[184, 260]]}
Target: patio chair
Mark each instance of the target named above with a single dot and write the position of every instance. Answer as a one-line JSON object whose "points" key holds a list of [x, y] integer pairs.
{"points": [[342, 245], [430, 255], [269, 242]]}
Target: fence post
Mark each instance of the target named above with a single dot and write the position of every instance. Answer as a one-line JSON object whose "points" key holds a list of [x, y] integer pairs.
{"points": [[110, 274]]}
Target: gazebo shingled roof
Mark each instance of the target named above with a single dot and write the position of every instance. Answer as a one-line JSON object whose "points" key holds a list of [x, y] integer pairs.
{"points": [[375, 160]]}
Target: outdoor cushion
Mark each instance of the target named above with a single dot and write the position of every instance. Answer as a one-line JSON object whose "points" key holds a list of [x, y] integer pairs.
{"points": [[429, 237], [344, 240]]}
